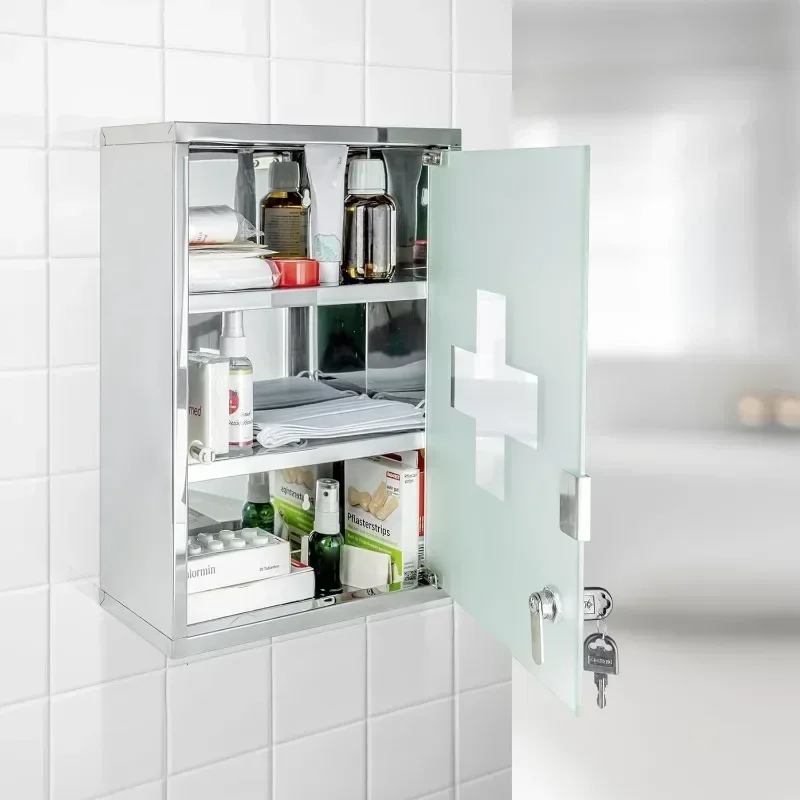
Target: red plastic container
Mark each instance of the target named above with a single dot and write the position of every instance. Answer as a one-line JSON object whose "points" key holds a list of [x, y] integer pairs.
{"points": [[297, 273]]}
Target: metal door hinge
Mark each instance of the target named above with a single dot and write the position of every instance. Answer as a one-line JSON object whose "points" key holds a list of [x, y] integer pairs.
{"points": [[429, 576], [575, 506], [432, 158], [545, 606]]}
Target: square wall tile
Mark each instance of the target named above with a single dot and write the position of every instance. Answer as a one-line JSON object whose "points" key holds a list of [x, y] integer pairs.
{"points": [[410, 659], [23, 632], [311, 93], [332, 765], [74, 419], [408, 98], [150, 791], [22, 95], [216, 88], [91, 85], [496, 787], [23, 509], [90, 646], [123, 21], [22, 17], [23, 445], [482, 35], [74, 525], [480, 659], [23, 743], [22, 204], [107, 738], [230, 26], [318, 30], [23, 307], [74, 203], [414, 33], [484, 732], [482, 109], [218, 708], [243, 778], [318, 705], [74, 311], [422, 737]]}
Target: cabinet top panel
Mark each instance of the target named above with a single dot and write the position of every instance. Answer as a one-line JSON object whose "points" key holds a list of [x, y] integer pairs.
{"points": [[239, 134]]}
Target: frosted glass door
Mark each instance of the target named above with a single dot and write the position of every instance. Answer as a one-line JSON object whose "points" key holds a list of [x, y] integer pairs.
{"points": [[507, 293]]}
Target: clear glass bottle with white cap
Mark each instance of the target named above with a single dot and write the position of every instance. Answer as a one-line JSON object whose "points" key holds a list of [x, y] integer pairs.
{"points": [[284, 215], [370, 223], [326, 540], [258, 511], [233, 345]]}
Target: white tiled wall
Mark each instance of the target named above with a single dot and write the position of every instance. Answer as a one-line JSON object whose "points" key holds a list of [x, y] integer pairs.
{"points": [[87, 710]]}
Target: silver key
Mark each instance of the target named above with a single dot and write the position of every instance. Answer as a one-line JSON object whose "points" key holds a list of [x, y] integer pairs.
{"points": [[601, 681], [601, 657]]}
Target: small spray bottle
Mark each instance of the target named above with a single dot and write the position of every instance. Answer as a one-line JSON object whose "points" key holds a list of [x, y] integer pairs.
{"points": [[326, 541], [258, 511], [233, 345]]}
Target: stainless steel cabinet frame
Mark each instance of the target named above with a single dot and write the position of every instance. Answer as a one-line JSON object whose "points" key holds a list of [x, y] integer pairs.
{"points": [[506, 295]]}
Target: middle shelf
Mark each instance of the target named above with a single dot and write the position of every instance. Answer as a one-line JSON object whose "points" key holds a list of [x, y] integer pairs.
{"points": [[334, 450], [346, 294]]}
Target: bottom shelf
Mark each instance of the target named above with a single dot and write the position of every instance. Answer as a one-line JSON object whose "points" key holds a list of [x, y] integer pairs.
{"points": [[277, 621]]}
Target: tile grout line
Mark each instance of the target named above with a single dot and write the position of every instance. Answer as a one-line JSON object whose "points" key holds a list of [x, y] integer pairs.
{"points": [[476, 689], [453, 74], [163, 51], [365, 17], [48, 777], [166, 751], [268, 21], [271, 61], [493, 774], [111, 682], [214, 763]]}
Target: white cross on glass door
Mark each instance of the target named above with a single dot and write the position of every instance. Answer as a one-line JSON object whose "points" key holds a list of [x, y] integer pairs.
{"points": [[501, 399]]}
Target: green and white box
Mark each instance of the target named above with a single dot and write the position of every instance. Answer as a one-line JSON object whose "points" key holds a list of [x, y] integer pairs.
{"points": [[293, 493], [381, 517]]}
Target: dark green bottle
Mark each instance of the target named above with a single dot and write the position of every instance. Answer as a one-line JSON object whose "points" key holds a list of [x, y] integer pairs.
{"points": [[258, 511], [326, 541]]}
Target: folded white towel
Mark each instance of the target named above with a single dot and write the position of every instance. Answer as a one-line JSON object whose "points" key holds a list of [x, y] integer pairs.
{"points": [[335, 419], [221, 272]]}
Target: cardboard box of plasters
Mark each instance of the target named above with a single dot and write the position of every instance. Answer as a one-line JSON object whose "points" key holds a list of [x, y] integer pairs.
{"points": [[381, 523]]}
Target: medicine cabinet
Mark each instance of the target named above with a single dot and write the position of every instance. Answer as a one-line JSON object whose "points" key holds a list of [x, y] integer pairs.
{"points": [[494, 318]]}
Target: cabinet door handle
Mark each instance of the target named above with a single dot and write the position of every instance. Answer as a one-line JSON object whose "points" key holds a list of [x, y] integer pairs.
{"points": [[545, 606]]}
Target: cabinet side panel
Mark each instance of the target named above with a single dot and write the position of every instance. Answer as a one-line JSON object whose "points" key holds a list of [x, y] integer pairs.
{"points": [[138, 376]]}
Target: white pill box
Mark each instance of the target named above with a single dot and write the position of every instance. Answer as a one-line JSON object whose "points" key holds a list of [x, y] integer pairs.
{"points": [[209, 378], [228, 559], [296, 587]]}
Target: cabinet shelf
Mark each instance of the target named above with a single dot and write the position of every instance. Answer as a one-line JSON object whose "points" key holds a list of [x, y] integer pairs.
{"points": [[348, 294], [278, 621], [334, 450]]}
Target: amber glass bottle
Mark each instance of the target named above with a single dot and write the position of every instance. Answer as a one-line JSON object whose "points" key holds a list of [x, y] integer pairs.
{"points": [[284, 218]]}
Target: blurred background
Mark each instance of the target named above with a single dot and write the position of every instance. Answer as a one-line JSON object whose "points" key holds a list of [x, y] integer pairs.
{"points": [[691, 111]]}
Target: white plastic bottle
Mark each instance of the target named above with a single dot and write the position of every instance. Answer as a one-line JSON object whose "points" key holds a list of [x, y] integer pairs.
{"points": [[233, 346]]}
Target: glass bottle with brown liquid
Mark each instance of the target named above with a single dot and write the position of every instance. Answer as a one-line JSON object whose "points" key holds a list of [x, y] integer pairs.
{"points": [[284, 217], [370, 223]]}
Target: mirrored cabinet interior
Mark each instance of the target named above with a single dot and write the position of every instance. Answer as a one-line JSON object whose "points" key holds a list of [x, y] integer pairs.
{"points": [[433, 367]]}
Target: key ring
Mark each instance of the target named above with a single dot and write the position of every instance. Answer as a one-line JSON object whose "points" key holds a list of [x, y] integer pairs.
{"points": [[604, 630]]}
